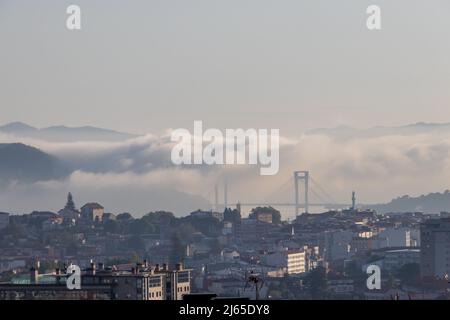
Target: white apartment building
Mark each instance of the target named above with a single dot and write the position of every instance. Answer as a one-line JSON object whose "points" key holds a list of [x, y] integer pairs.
{"points": [[292, 261]]}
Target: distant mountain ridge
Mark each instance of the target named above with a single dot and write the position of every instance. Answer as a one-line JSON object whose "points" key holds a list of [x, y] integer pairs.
{"points": [[346, 132], [63, 133], [431, 203], [19, 162]]}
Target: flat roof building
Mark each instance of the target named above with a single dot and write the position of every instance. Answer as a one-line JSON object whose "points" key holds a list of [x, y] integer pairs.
{"points": [[142, 282], [435, 249]]}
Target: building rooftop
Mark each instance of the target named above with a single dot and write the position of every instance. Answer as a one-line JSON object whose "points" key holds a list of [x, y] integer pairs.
{"points": [[92, 205]]}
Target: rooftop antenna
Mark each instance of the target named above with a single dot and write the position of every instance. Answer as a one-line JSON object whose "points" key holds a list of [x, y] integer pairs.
{"points": [[255, 280]]}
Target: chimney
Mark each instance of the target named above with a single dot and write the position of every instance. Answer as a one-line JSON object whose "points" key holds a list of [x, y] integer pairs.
{"points": [[34, 275], [165, 268], [93, 268], [157, 267], [58, 272], [179, 266], [145, 263], [101, 266]]}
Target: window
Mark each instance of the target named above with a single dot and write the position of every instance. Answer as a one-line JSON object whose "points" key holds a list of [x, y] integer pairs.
{"points": [[155, 282], [183, 277]]}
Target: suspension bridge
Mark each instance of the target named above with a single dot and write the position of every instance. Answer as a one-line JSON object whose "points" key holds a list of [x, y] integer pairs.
{"points": [[303, 188]]}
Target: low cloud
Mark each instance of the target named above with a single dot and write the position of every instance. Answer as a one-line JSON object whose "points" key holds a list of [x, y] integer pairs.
{"points": [[137, 175]]}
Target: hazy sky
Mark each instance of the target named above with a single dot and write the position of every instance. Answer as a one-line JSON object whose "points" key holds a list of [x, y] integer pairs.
{"points": [[145, 66], [142, 66]]}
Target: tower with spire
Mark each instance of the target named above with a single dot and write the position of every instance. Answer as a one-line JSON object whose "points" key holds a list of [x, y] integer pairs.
{"points": [[70, 205], [353, 200], [69, 213]]}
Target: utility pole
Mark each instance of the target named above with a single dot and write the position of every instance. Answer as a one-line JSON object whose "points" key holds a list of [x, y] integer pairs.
{"points": [[225, 193], [216, 197]]}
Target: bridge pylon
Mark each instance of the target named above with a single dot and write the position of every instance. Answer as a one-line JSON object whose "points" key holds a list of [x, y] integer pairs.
{"points": [[301, 176]]}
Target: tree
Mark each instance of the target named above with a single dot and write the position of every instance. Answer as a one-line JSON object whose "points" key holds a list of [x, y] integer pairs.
{"points": [[317, 281], [215, 246], [276, 215], [232, 215], [209, 226], [112, 226], [409, 273], [186, 231], [70, 205], [16, 230], [160, 217], [48, 265], [142, 226], [354, 272], [124, 217], [136, 243]]}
